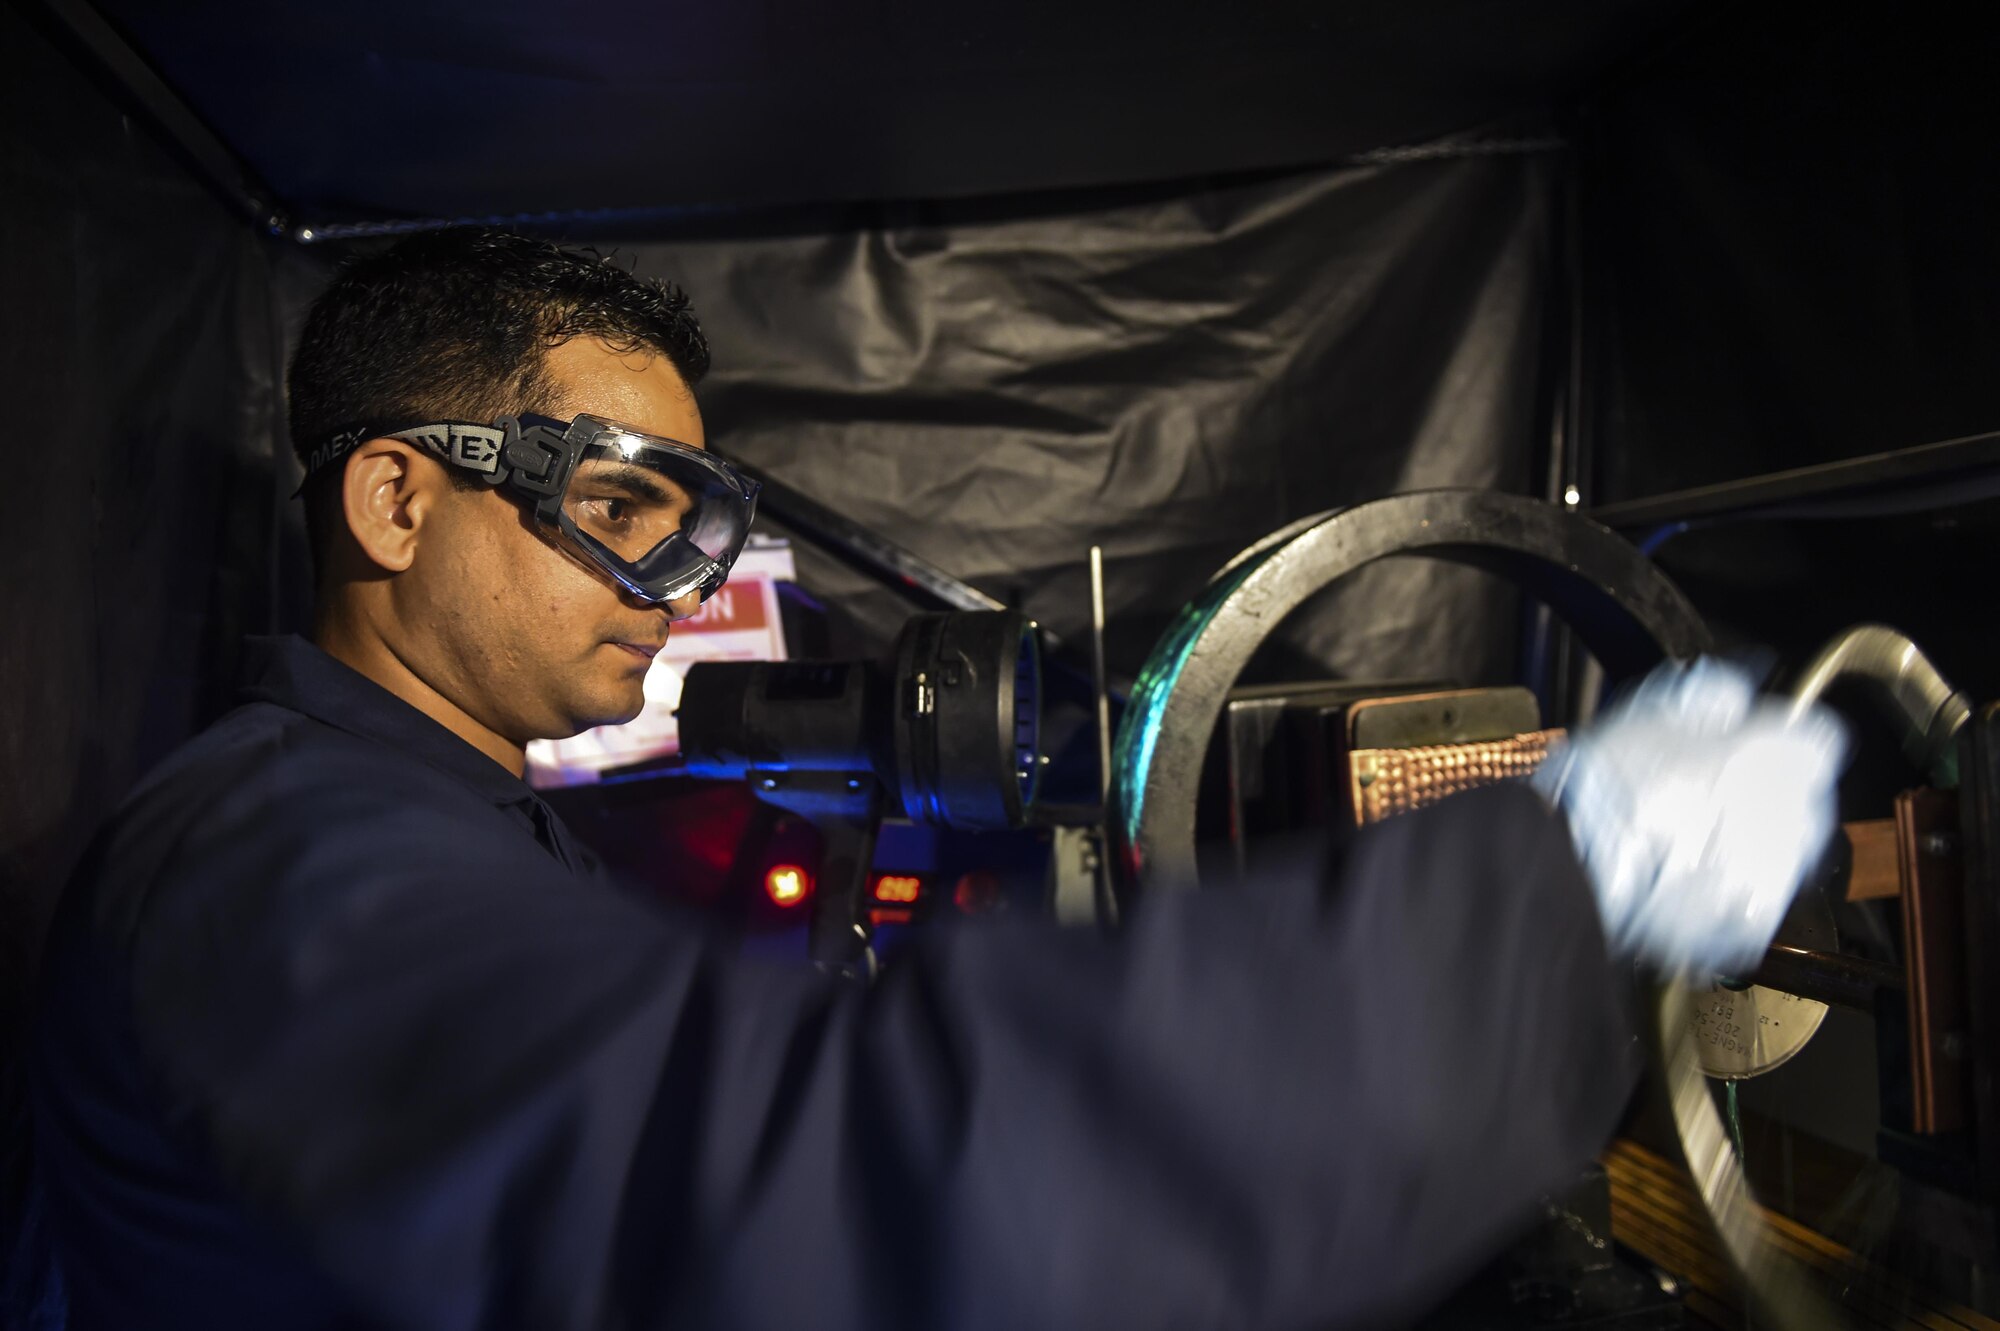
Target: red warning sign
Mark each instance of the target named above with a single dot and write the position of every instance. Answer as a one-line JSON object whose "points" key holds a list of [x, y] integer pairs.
{"points": [[734, 608]]}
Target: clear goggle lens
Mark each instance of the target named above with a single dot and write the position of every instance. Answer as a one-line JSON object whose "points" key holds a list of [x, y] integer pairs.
{"points": [[664, 518]]}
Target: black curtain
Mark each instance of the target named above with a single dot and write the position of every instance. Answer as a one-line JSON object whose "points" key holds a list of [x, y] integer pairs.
{"points": [[1170, 373], [1790, 260], [1793, 257], [136, 365]]}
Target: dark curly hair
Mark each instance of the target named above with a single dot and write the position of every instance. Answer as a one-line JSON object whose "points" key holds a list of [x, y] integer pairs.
{"points": [[456, 325]]}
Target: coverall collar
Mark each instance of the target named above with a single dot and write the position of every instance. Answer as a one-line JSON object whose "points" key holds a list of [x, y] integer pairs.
{"points": [[295, 674]]}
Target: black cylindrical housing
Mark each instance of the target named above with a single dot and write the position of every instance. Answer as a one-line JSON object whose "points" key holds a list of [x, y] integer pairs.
{"points": [[967, 706], [951, 731], [737, 717]]}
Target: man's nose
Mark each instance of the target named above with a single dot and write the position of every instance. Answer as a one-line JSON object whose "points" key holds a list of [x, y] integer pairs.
{"points": [[681, 607]]}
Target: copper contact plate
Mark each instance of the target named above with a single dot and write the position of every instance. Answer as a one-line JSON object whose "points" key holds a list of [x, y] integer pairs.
{"points": [[1385, 782]]}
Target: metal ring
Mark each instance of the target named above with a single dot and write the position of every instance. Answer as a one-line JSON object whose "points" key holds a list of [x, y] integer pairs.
{"points": [[1623, 607], [1626, 611]]}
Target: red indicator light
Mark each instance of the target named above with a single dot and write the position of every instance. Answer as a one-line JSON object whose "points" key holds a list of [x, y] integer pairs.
{"points": [[897, 887], [787, 884], [977, 892]]}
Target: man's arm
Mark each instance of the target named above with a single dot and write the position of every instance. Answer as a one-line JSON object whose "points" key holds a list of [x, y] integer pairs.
{"points": [[487, 1096]]}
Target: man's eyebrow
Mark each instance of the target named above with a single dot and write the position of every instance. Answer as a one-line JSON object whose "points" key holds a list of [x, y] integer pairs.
{"points": [[635, 479]]}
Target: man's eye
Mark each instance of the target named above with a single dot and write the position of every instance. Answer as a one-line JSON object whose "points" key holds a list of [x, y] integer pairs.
{"points": [[614, 511]]}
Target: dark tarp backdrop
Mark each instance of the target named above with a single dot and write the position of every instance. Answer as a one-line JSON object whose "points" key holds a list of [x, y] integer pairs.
{"points": [[136, 364], [1170, 372], [1171, 376]]}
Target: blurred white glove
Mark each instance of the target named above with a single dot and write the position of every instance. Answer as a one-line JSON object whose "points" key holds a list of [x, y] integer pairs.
{"points": [[1697, 809]]}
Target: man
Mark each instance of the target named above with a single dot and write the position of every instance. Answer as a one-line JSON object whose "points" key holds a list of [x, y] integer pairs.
{"points": [[341, 1029]]}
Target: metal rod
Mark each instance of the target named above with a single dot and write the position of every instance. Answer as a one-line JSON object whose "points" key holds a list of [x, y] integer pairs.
{"points": [[1902, 467], [855, 543], [212, 159], [1926, 707], [1548, 646], [1827, 977], [889, 563], [1098, 674]]}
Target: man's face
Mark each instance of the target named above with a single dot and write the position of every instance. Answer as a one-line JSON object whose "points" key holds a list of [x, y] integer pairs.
{"points": [[532, 642]]}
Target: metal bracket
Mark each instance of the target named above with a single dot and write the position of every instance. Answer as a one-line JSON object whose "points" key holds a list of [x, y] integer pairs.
{"points": [[846, 807]]}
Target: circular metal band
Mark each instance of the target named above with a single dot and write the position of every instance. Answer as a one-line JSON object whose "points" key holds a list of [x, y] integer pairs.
{"points": [[1623, 607]]}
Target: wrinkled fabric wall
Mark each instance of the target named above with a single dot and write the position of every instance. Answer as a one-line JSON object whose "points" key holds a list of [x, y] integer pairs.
{"points": [[136, 367], [1169, 376]]}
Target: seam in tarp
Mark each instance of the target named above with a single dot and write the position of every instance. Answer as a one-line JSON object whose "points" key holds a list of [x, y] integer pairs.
{"points": [[1444, 149]]}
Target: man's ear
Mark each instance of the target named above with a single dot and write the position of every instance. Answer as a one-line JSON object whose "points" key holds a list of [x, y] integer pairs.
{"points": [[387, 491]]}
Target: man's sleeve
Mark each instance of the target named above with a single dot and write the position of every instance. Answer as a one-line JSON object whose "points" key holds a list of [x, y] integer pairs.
{"points": [[483, 1096]]}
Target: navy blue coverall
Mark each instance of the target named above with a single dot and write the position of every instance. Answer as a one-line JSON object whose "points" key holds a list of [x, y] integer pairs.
{"points": [[339, 1030]]}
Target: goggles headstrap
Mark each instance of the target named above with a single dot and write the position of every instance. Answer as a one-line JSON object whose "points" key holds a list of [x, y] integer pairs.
{"points": [[537, 457]]}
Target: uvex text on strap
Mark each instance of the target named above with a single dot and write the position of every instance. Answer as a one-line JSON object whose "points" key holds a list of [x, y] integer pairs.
{"points": [[660, 518]]}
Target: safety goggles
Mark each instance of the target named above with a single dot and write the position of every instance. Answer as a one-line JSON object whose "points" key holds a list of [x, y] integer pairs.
{"points": [[660, 518]]}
